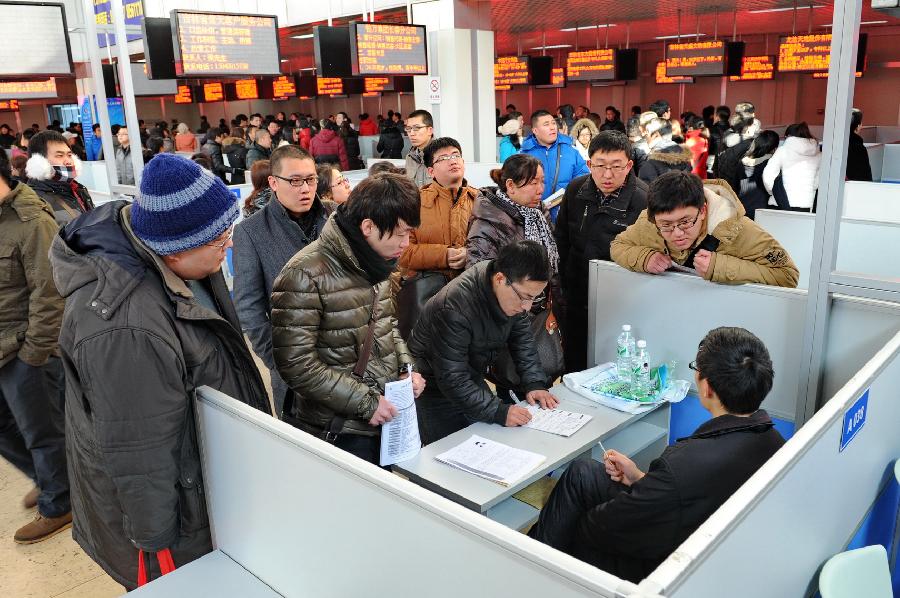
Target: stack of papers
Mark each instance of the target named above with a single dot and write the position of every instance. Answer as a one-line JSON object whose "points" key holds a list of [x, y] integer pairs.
{"points": [[554, 200], [491, 460], [400, 439], [556, 421]]}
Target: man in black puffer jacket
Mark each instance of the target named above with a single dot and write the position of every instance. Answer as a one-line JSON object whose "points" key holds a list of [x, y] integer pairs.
{"points": [[464, 328]]}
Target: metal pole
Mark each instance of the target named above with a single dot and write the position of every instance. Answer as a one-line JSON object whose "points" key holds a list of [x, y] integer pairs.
{"points": [[93, 50], [839, 102], [127, 89]]}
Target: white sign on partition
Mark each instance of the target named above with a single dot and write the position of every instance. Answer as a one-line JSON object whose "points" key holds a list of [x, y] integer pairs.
{"points": [[434, 90]]}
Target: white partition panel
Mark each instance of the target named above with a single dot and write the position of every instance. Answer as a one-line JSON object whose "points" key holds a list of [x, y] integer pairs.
{"points": [[673, 312], [871, 201], [876, 162], [865, 246], [890, 171], [803, 506], [309, 519]]}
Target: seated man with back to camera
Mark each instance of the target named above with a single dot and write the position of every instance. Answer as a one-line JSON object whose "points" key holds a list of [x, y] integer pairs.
{"points": [[625, 521], [702, 225], [462, 330]]}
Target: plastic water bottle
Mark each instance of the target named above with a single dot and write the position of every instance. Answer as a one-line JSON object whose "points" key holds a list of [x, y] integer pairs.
{"points": [[641, 370], [625, 353]]}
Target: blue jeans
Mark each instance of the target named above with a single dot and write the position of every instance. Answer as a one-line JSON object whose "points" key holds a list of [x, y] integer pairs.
{"points": [[32, 435]]}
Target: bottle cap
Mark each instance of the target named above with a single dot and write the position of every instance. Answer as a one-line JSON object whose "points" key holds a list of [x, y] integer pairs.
{"points": [[626, 327], [642, 344]]}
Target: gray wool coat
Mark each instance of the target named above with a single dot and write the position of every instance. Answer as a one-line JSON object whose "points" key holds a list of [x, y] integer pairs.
{"points": [[263, 244]]}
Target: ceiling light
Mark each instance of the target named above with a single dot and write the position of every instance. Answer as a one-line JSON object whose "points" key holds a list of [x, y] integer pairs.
{"points": [[556, 47], [312, 68], [863, 23], [785, 9], [304, 36], [588, 27], [682, 36], [284, 60]]}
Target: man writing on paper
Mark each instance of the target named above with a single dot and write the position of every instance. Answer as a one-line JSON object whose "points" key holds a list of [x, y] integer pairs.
{"points": [[702, 226], [463, 329], [625, 521]]}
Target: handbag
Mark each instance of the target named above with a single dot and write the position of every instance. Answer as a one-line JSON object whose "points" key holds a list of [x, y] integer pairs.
{"points": [[414, 293], [166, 565], [547, 342]]}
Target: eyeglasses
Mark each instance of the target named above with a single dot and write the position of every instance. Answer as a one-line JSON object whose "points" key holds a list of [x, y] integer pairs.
{"points": [[684, 225], [223, 242], [449, 158], [524, 299], [311, 181], [614, 168], [341, 181], [415, 128], [693, 366]]}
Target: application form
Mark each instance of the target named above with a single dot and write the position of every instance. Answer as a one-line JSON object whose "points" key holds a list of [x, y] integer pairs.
{"points": [[556, 421], [400, 439]]}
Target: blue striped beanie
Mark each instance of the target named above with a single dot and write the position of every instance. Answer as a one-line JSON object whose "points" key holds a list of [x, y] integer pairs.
{"points": [[181, 206]]}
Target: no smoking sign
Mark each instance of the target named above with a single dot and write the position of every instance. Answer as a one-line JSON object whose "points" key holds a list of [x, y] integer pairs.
{"points": [[434, 90]]}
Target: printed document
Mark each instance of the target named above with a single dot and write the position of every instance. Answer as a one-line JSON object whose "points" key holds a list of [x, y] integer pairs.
{"points": [[400, 437], [556, 421], [492, 460]]}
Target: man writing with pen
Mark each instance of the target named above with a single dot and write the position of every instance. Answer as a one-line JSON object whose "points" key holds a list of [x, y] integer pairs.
{"points": [[464, 328], [626, 521]]}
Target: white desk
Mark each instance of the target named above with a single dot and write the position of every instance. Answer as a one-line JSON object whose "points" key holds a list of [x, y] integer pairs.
{"points": [[210, 576], [630, 434]]}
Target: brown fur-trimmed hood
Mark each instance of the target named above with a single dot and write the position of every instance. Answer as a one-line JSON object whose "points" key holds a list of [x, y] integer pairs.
{"points": [[674, 154]]}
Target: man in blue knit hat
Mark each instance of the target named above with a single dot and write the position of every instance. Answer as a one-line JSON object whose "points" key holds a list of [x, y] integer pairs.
{"points": [[147, 321]]}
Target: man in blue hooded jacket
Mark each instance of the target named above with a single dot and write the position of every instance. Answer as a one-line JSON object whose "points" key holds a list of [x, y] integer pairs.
{"points": [[561, 161]]}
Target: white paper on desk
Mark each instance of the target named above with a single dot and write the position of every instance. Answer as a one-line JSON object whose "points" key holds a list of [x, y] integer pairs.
{"points": [[679, 268], [400, 437], [491, 460], [556, 421]]}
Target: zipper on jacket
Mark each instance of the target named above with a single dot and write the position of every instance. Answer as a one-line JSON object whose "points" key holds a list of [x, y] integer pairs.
{"points": [[583, 218]]}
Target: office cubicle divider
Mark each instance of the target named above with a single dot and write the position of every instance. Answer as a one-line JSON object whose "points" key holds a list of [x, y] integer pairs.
{"points": [[309, 519], [871, 201], [804, 505]]}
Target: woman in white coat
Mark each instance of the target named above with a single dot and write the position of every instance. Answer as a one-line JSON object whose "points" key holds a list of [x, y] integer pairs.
{"points": [[797, 161]]}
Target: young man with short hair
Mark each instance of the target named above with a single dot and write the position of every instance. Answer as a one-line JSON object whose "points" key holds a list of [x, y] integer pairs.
{"points": [[702, 226], [52, 170], [333, 314], [123, 158], [213, 148], [626, 521], [32, 436], [261, 149], [594, 210], [148, 321], [560, 160], [462, 330], [266, 241], [420, 128]]}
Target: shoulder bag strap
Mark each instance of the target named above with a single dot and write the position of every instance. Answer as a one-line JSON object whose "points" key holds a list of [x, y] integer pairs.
{"points": [[556, 174]]}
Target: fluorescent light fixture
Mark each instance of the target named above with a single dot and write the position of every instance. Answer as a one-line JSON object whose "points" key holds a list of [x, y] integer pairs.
{"points": [[311, 68], [588, 27], [556, 47], [682, 36], [785, 9], [284, 60], [863, 23], [304, 36]]}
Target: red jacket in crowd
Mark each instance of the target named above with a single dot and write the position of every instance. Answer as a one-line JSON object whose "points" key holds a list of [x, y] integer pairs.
{"points": [[328, 143], [368, 127], [699, 146]]}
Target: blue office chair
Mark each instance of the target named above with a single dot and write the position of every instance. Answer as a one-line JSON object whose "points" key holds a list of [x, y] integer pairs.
{"points": [[857, 573]]}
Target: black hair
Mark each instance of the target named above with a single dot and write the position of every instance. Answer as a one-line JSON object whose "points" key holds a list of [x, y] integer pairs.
{"points": [[287, 152], [5, 168], [203, 160], [215, 132], [765, 143], [95, 127], [660, 107], [636, 110], [154, 144], [708, 112], [740, 122], [114, 129], [241, 117], [438, 144], [633, 127], [610, 141], [856, 116], [508, 106], [723, 113], [799, 130], [613, 108], [737, 366], [385, 166], [694, 122], [385, 199], [38, 143], [538, 114], [325, 172], [520, 261], [567, 111], [425, 115], [254, 115], [672, 190], [521, 169]]}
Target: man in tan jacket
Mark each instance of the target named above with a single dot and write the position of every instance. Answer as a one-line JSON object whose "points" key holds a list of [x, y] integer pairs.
{"points": [[702, 227]]}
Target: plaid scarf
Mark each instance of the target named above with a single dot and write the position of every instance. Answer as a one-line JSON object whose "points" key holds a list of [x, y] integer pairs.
{"points": [[63, 173], [536, 229]]}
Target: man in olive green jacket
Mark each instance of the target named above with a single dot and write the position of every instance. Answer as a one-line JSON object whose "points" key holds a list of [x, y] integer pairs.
{"points": [[702, 227], [323, 303], [31, 387]]}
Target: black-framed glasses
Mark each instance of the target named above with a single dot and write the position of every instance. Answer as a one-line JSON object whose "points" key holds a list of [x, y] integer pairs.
{"points": [[693, 366], [613, 168], [222, 242], [524, 299], [311, 181], [684, 225]]}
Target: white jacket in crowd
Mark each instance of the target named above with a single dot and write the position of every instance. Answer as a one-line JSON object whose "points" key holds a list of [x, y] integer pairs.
{"points": [[797, 160]]}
